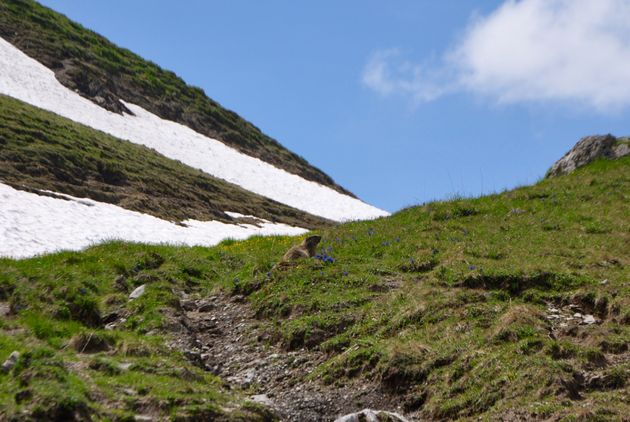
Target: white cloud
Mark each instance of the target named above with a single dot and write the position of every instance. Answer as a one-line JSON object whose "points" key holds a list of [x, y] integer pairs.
{"points": [[388, 73], [570, 51]]}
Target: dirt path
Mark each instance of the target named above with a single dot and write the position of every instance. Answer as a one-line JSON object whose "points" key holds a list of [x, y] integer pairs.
{"points": [[227, 340]]}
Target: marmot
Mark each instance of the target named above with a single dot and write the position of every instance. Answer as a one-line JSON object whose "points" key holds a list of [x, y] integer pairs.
{"points": [[306, 249]]}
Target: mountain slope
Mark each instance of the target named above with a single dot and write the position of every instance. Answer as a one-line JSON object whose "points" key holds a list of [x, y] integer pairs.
{"points": [[101, 123], [40, 150], [511, 306], [84, 61], [26, 79]]}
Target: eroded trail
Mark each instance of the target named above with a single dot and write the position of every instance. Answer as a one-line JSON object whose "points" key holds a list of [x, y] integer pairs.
{"points": [[228, 340]]}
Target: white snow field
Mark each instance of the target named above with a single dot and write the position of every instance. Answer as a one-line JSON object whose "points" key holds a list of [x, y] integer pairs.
{"points": [[26, 79], [32, 224]]}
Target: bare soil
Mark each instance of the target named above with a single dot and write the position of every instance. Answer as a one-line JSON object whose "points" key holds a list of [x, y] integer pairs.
{"points": [[228, 340]]}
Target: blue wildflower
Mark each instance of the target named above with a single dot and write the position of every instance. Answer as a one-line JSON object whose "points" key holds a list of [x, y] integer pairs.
{"points": [[472, 267]]}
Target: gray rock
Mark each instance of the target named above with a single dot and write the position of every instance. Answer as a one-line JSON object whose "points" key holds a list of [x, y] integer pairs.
{"points": [[139, 291], [10, 362], [249, 376], [368, 415], [589, 319], [589, 149], [187, 305], [244, 379], [262, 399], [206, 307]]}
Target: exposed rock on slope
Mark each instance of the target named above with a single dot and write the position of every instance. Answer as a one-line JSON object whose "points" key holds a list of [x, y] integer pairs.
{"points": [[589, 149]]}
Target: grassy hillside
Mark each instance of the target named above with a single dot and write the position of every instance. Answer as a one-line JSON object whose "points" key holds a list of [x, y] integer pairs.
{"points": [[41, 150], [105, 73], [457, 309]]}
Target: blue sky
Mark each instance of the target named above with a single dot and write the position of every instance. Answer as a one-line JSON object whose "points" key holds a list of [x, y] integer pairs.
{"points": [[401, 102]]}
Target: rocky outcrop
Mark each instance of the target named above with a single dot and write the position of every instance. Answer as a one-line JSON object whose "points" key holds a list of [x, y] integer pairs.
{"points": [[589, 149]]}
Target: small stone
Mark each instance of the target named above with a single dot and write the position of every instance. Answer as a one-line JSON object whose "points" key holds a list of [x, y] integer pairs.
{"points": [[249, 376], [139, 291], [124, 365], [372, 416], [187, 305], [238, 299], [577, 315], [206, 307], [11, 361], [589, 319], [604, 281], [262, 399]]}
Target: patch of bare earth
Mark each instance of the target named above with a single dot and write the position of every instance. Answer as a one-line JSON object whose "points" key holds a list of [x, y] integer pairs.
{"points": [[576, 324], [226, 339]]}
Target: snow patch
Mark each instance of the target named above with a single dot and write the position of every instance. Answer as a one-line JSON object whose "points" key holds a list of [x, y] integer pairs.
{"points": [[32, 224], [28, 80]]}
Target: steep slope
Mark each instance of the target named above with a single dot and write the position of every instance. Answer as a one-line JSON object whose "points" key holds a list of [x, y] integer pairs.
{"points": [[26, 79], [506, 307], [140, 144], [104, 73], [40, 150]]}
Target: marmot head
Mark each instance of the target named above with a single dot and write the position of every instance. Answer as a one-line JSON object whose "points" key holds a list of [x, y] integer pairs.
{"points": [[311, 242]]}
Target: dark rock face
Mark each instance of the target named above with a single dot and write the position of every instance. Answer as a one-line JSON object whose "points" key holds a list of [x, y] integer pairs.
{"points": [[589, 149]]}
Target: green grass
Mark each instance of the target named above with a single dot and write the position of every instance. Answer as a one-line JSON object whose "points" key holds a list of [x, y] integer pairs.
{"points": [[41, 150], [98, 68], [444, 304]]}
